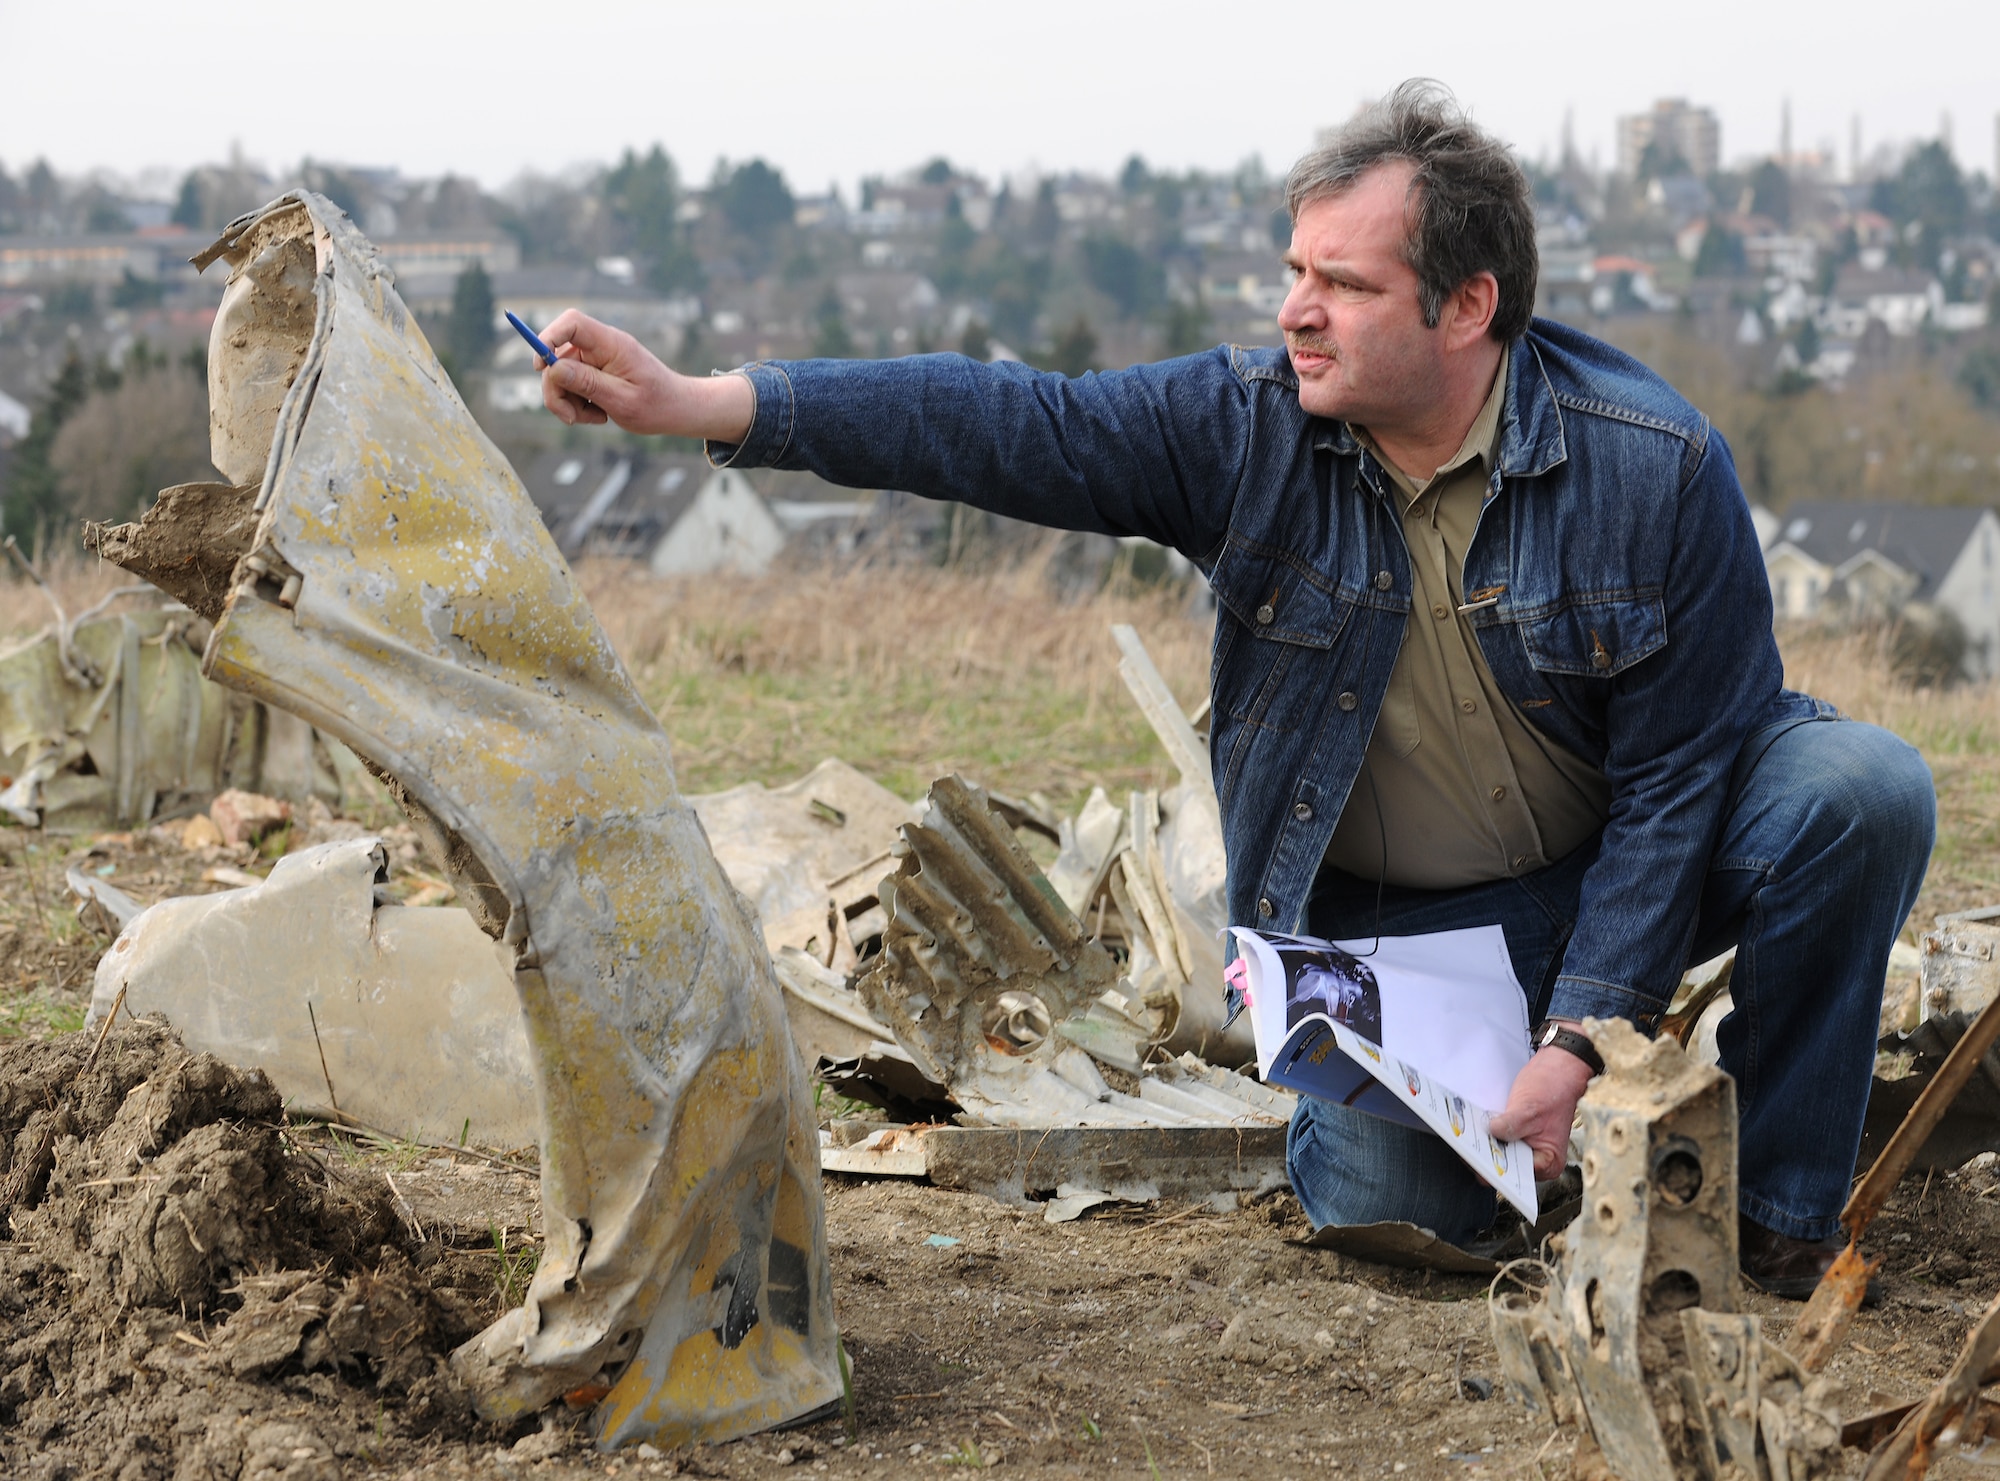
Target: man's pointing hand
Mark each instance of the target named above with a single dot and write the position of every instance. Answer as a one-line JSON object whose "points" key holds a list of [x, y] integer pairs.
{"points": [[604, 374]]}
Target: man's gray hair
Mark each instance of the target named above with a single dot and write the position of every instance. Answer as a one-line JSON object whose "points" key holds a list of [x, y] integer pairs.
{"points": [[1470, 209]]}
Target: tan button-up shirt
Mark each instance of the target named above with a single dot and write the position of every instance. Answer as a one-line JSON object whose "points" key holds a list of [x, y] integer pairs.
{"points": [[1468, 790]]}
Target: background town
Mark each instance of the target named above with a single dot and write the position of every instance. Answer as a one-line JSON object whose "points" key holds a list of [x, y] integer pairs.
{"points": [[1836, 312]]}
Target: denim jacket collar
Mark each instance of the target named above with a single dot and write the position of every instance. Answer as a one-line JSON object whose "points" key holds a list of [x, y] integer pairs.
{"points": [[1531, 426]]}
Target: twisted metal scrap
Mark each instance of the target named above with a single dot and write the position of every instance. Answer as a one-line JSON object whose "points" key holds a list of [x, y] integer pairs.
{"points": [[399, 591], [984, 974], [1911, 1450]]}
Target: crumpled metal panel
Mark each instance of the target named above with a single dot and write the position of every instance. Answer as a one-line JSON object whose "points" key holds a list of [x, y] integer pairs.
{"points": [[986, 978], [401, 592], [142, 725], [348, 1005]]}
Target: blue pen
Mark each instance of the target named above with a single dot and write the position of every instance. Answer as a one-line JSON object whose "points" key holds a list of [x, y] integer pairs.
{"points": [[548, 355]]}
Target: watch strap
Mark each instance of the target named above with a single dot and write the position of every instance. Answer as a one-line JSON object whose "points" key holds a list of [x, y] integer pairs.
{"points": [[1562, 1036]]}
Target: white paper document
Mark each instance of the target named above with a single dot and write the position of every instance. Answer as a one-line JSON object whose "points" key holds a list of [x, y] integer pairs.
{"points": [[1429, 1031]]}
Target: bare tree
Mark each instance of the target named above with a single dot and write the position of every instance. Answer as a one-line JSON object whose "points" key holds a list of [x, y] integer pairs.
{"points": [[125, 444]]}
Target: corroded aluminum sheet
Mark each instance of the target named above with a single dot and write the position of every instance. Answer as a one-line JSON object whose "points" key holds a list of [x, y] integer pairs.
{"points": [[401, 593]]}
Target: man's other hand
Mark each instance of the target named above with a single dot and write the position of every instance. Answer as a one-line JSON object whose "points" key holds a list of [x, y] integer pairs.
{"points": [[604, 374], [1542, 1105]]}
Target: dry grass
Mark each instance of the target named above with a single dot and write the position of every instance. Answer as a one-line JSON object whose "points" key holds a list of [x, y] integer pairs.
{"points": [[911, 672], [907, 672], [1958, 730]]}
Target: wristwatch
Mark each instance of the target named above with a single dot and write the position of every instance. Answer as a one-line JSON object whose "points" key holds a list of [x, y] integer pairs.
{"points": [[1553, 1035]]}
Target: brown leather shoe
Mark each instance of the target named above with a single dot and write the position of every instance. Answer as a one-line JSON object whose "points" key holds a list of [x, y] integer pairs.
{"points": [[1779, 1265]]}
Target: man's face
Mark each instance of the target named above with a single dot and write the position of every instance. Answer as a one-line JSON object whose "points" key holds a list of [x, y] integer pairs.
{"points": [[1356, 334]]}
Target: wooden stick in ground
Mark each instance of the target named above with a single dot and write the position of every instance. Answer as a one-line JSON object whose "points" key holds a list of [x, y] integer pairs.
{"points": [[1907, 1453], [105, 1032], [1823, 1324]]}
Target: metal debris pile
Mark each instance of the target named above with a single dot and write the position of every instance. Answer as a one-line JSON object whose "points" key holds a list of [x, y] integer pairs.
{"points": [[1628, 1337]]}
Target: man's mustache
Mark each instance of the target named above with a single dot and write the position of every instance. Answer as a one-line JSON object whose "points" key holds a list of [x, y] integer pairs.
{"points": [[1312, 344]]}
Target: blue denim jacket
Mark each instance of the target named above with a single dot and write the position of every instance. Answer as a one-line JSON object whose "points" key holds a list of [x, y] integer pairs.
{"points": [[1615, 584]]}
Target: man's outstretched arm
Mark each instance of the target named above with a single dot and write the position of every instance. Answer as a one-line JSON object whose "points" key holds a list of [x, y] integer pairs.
{"points": [[1157, 450]]}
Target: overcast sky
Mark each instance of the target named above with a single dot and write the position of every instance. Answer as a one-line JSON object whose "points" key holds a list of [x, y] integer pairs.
{"points": [[831, 90]]}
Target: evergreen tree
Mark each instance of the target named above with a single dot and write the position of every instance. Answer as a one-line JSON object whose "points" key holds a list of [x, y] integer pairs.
{"points": [[1075, 351], [832, 341], [187, 210], [469, 333], [1120, 271], [34, 502], [644, 197], [755, 200], [1771, 193], [1188, 330]]}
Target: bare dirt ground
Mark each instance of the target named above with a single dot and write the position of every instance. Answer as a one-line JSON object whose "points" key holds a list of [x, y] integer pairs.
{"points": [[197, 1289]]}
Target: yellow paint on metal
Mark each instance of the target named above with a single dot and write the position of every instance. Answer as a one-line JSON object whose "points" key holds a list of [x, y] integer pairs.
{"points": [[434, 627]]}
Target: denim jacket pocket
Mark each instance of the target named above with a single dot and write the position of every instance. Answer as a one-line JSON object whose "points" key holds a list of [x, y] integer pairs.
{"points": [[1595, 637], [1279, 623]]}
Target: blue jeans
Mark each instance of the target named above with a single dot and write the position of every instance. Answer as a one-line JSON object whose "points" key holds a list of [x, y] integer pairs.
{"points": [[1824, 841]]}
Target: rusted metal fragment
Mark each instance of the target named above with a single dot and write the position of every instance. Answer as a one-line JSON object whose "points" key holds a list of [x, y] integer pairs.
{"points": [[1866, 1431], [1911, 1449], [1656, 1236], [1635, 1341], [402, 594], [1823, 1324], [1823, 1327], [1523, 1308], [982, 966]]}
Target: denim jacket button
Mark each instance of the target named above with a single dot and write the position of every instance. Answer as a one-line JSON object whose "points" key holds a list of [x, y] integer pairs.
{"points": [[1600, 659], [1347, 701], [1303, 812], [1265, 908], [1383, 581], [1265, 613]]}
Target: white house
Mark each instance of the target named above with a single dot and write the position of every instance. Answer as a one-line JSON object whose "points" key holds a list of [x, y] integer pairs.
{"points": [[727, 527], [1869, 560]]}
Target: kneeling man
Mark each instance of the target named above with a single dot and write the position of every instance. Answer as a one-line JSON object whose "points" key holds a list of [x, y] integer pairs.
{"points": [[1492, 645]]}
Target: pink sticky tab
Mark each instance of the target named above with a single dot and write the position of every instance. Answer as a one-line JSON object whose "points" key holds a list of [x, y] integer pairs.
{"points": [[1237, 975]]}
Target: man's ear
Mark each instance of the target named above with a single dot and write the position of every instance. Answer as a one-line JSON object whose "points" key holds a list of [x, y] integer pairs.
{"points": [[1470, 310]]}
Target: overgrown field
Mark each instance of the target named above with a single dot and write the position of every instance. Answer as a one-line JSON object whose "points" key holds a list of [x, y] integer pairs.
{"points": [[912, 672]]}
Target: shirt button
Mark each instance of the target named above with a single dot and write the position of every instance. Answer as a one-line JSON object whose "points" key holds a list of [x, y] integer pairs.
{"points": [[1499, 794], [1383, 581], [1467, 705], [1265, 613], [1440, 611], [1520, 860], [1265, 908], [1347, 701], [1303, 812]]}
